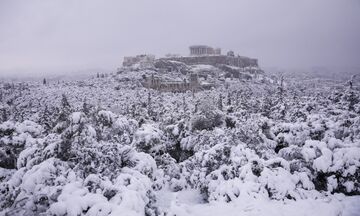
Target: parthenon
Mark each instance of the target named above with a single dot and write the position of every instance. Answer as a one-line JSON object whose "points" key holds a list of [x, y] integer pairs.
{"points": [[201, 50]]}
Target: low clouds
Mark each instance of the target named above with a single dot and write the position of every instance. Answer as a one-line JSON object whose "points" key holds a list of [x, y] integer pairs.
{"points": [[74, 35]]}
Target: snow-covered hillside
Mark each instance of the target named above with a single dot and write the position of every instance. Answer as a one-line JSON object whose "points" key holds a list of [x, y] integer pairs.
{"points": [[108, 146]]}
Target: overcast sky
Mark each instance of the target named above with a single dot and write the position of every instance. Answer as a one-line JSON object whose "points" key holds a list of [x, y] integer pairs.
{"points": [[50, 35]]}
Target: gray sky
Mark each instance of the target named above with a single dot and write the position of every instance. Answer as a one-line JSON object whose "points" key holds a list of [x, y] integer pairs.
{"points": [[51, 35]]}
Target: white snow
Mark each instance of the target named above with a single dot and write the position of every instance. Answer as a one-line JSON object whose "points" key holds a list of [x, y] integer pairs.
{"points": [[76, 117], [189, 202], [257, 155], [323, 162]]}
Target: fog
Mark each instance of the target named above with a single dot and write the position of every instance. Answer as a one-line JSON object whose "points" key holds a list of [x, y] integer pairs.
{"points": [[38, 36]]}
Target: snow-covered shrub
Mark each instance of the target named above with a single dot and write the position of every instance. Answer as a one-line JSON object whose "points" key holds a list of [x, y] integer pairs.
{"points": [[148, 138], [106, 118], [207, 118], [130, 193], [14, 139], [31, 191], [114, 128], [178, 134]]}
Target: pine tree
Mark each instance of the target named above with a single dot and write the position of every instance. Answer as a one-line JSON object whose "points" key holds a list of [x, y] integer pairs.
{"points": [[64, 112], [149, 104], [65, 102], [184, 104], [44, 81], [229, 99], [4, 115], [65, 146], [351, 99], [196, 107], [85, 107], [46, 119], [281, 89], [351, 81], [133, 110], [220, 103], [237, 100]]}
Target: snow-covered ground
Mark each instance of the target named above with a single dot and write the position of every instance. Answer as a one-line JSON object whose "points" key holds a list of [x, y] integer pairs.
{"points": [[108, 146], [190, 204]]}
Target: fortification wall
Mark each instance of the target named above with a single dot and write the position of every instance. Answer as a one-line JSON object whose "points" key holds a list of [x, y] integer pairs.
{"points": [[238, 61]]}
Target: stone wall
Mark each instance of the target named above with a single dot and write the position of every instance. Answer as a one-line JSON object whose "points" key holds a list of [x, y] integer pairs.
{"points": [[173, 86], [238, 61]]}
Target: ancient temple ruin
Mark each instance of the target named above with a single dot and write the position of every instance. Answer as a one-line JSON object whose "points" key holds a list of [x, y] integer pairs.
{"points": [[159, 84], [202, 50]]}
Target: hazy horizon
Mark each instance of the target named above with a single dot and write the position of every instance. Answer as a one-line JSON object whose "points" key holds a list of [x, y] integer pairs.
{"points": [[52, 36]]}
